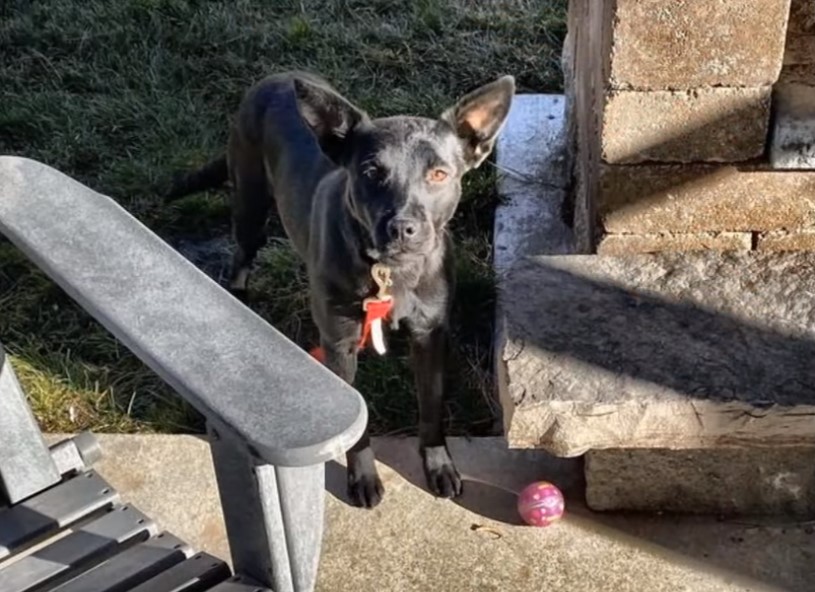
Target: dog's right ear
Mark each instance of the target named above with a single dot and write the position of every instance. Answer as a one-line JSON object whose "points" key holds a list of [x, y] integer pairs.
{"points": [[330, 116]]}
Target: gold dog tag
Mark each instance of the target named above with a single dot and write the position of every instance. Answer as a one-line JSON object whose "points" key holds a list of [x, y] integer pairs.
{"points": [[382, 303], [382, 277]]}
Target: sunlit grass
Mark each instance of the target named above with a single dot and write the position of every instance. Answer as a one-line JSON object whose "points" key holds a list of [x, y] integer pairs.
{"points": [[120, 93]]}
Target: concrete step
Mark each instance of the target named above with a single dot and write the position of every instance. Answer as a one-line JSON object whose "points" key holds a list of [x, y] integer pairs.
{"points": [[414, 542], [533, 176]]}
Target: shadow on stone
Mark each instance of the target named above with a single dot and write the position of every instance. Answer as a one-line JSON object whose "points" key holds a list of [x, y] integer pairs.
{"points": [[703, 353], [677, 350]]}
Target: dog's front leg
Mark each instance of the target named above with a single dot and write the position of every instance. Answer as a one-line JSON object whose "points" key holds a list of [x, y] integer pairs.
{"points": [[364, 485], [428, 351]]}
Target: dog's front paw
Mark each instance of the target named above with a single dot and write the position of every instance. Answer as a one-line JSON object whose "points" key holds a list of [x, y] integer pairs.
{"points": [[441, 474], [365, 489], [364, 486]]}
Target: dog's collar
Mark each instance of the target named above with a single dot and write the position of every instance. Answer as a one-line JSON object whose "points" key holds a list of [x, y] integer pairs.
{"points": [[377, 308]]}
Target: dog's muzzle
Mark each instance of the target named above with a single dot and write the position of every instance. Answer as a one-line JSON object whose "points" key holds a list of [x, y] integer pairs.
{"points": [[407, 236]]}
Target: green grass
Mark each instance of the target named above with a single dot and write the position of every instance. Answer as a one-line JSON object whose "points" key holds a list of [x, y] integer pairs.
{"points": [[120, 93]]}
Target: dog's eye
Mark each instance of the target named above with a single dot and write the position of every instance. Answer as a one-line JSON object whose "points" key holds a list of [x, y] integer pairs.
{"points": [[437, 175], [374, 172]]}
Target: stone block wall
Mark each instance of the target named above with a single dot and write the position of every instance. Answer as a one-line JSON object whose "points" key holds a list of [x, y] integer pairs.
{"points": [[799, 58], [792, 145], [678, 113]]}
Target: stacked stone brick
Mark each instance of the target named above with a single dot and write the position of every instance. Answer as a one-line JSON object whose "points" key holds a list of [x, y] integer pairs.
{"points": [[799, 58], [671, 115], [684, 377], [792, 145]]}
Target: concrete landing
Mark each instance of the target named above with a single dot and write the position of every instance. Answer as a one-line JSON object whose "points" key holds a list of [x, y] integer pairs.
{"points": [[534, 173], [415, 543]]}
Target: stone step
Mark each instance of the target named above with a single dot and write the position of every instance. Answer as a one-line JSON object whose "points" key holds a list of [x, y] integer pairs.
{"points": [[694, 350], [724, 481], [601, 359]]}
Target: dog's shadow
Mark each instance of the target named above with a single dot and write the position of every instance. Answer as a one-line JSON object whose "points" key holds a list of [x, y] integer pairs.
{"points": [[492, 473]]}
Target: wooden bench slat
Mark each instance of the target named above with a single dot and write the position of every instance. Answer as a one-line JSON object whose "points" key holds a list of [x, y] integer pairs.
{"points": [[132, 566], [82, 549], [52, 510], [196, 574], [236, 369]]}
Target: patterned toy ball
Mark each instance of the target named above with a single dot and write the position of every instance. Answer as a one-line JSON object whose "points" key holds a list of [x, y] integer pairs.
{"points": [[541, 504]]}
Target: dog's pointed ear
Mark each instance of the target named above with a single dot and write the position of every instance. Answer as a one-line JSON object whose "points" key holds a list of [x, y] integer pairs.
{"points": [[329, 115], [479, 116]]}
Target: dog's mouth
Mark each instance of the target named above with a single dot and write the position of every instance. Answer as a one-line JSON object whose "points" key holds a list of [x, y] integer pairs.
{"points": [[395, 255]]}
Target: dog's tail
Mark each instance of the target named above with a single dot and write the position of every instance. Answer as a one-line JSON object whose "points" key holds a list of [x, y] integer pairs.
{"points": [[210, 176]]}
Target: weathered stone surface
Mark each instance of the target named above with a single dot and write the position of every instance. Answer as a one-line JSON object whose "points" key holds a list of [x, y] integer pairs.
{"points": [[710, 124], [676, 45], [674, 350], [800, 50], [793, 139], [782, 240], [626, 244], [802, 17], [716, 49], [736, 481], [798, 74], [657, 198]]}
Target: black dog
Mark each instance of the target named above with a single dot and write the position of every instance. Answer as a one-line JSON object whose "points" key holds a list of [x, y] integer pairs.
{"points": [[355, 194]]}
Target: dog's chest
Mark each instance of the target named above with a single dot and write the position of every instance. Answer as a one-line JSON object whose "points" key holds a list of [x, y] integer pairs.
{"points": [[404, 307], [416, 309]]}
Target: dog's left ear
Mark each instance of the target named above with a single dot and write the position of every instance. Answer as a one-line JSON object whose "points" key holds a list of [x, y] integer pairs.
{"points": [[479, 116], [329, 115]]}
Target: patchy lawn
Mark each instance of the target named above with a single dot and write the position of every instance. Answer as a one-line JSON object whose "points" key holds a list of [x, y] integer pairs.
{"points": [[120, 93]]}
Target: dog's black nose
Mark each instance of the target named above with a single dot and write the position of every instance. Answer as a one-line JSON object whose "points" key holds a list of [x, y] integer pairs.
{"points": [[403, 229]]}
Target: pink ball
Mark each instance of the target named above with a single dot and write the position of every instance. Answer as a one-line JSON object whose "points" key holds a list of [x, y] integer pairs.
{"points": [[540, 504]]}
